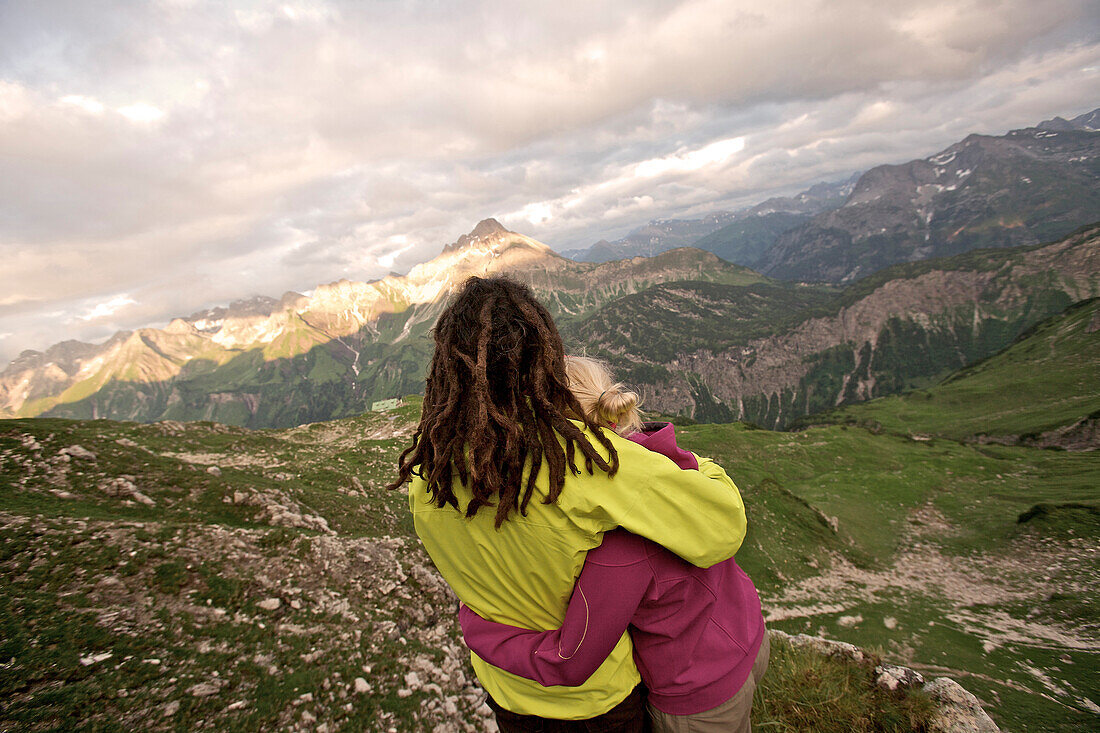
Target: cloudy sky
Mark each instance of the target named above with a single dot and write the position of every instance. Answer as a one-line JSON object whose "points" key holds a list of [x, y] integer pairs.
{"points": [[160, 157]]}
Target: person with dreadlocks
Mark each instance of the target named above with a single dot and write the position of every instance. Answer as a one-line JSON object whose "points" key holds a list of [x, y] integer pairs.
{"points": [[507, 510], [698, 633]]}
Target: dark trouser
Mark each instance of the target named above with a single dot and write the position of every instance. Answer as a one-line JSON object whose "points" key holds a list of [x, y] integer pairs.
{"points": [[626, 717]]}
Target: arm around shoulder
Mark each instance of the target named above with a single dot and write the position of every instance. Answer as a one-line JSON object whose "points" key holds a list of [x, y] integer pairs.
{"points": [[699, 515]]}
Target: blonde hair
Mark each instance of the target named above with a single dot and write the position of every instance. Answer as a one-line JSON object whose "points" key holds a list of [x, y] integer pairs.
{"points": [[605, 402]]}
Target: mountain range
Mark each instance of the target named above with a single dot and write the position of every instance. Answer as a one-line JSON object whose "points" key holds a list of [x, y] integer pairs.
{"points": [[266, 362], [719, 232], [697, 335], [1025, 187], [1029, 186]]}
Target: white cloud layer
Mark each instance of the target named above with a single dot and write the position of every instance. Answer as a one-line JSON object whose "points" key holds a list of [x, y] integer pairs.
{"points": [[189, 152], [108, 308]]}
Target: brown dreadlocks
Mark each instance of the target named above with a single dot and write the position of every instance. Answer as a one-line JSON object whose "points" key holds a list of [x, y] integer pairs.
{"points": [[496, 397]]}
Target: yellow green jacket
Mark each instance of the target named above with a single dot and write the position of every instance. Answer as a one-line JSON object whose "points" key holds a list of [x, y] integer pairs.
{"points": [[523, 573]]}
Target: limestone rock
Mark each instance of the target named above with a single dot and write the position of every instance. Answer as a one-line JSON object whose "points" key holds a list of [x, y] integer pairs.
{"points": [[849, 621], [203, 689], [142, 499], [892, 676], [958, 711], [269, 604], [123, 487], [821, 646], [95, 658], [78, 451]]}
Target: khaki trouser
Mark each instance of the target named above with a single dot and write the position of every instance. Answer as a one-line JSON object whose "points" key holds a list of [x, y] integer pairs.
{"points": [[732, 716]]}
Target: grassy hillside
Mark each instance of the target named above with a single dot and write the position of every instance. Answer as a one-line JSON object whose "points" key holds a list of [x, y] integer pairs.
{"points": [[1045, 381], [180, 576], [183, 576], [197, 576], [979, 562]]}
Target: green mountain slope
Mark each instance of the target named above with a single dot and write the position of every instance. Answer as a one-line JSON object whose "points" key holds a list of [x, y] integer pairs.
{"points": [[940, 557], [746, 241], [1041, 389], [772, 353], [683, 317]]}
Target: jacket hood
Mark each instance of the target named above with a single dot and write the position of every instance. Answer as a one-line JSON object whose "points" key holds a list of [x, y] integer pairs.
{"points": [[660, 437]]}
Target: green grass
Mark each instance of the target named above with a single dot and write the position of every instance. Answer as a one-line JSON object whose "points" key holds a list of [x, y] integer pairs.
{"points": [[169, 620], [806, 691], [191, 570], [908, 510]]}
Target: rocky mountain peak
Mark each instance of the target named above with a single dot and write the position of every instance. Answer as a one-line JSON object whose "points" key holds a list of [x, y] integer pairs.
{"points": [[485, 229], [1090, 121], [1087, 122], [211, 319], [1058, 124], [180, 326]]}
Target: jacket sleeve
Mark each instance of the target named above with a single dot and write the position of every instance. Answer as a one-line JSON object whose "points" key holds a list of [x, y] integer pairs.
{"points": [[604, 600], [698, 515]]}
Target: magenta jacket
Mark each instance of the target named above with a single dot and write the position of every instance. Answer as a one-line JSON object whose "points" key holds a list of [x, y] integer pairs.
{"points": [[696, 631]]}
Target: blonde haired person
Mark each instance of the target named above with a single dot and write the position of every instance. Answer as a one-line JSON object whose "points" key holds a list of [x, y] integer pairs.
{"points": [[606, 402], [699, 639]]}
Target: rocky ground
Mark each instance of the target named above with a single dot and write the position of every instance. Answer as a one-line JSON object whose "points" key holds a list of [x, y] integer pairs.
{"points": [[1001, 600], [227, 629], [197, 577], [173, 577]]}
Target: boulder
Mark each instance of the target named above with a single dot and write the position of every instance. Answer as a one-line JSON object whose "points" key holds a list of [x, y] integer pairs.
{"points": [[78, 451], [892, 677], [958, 710]]}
